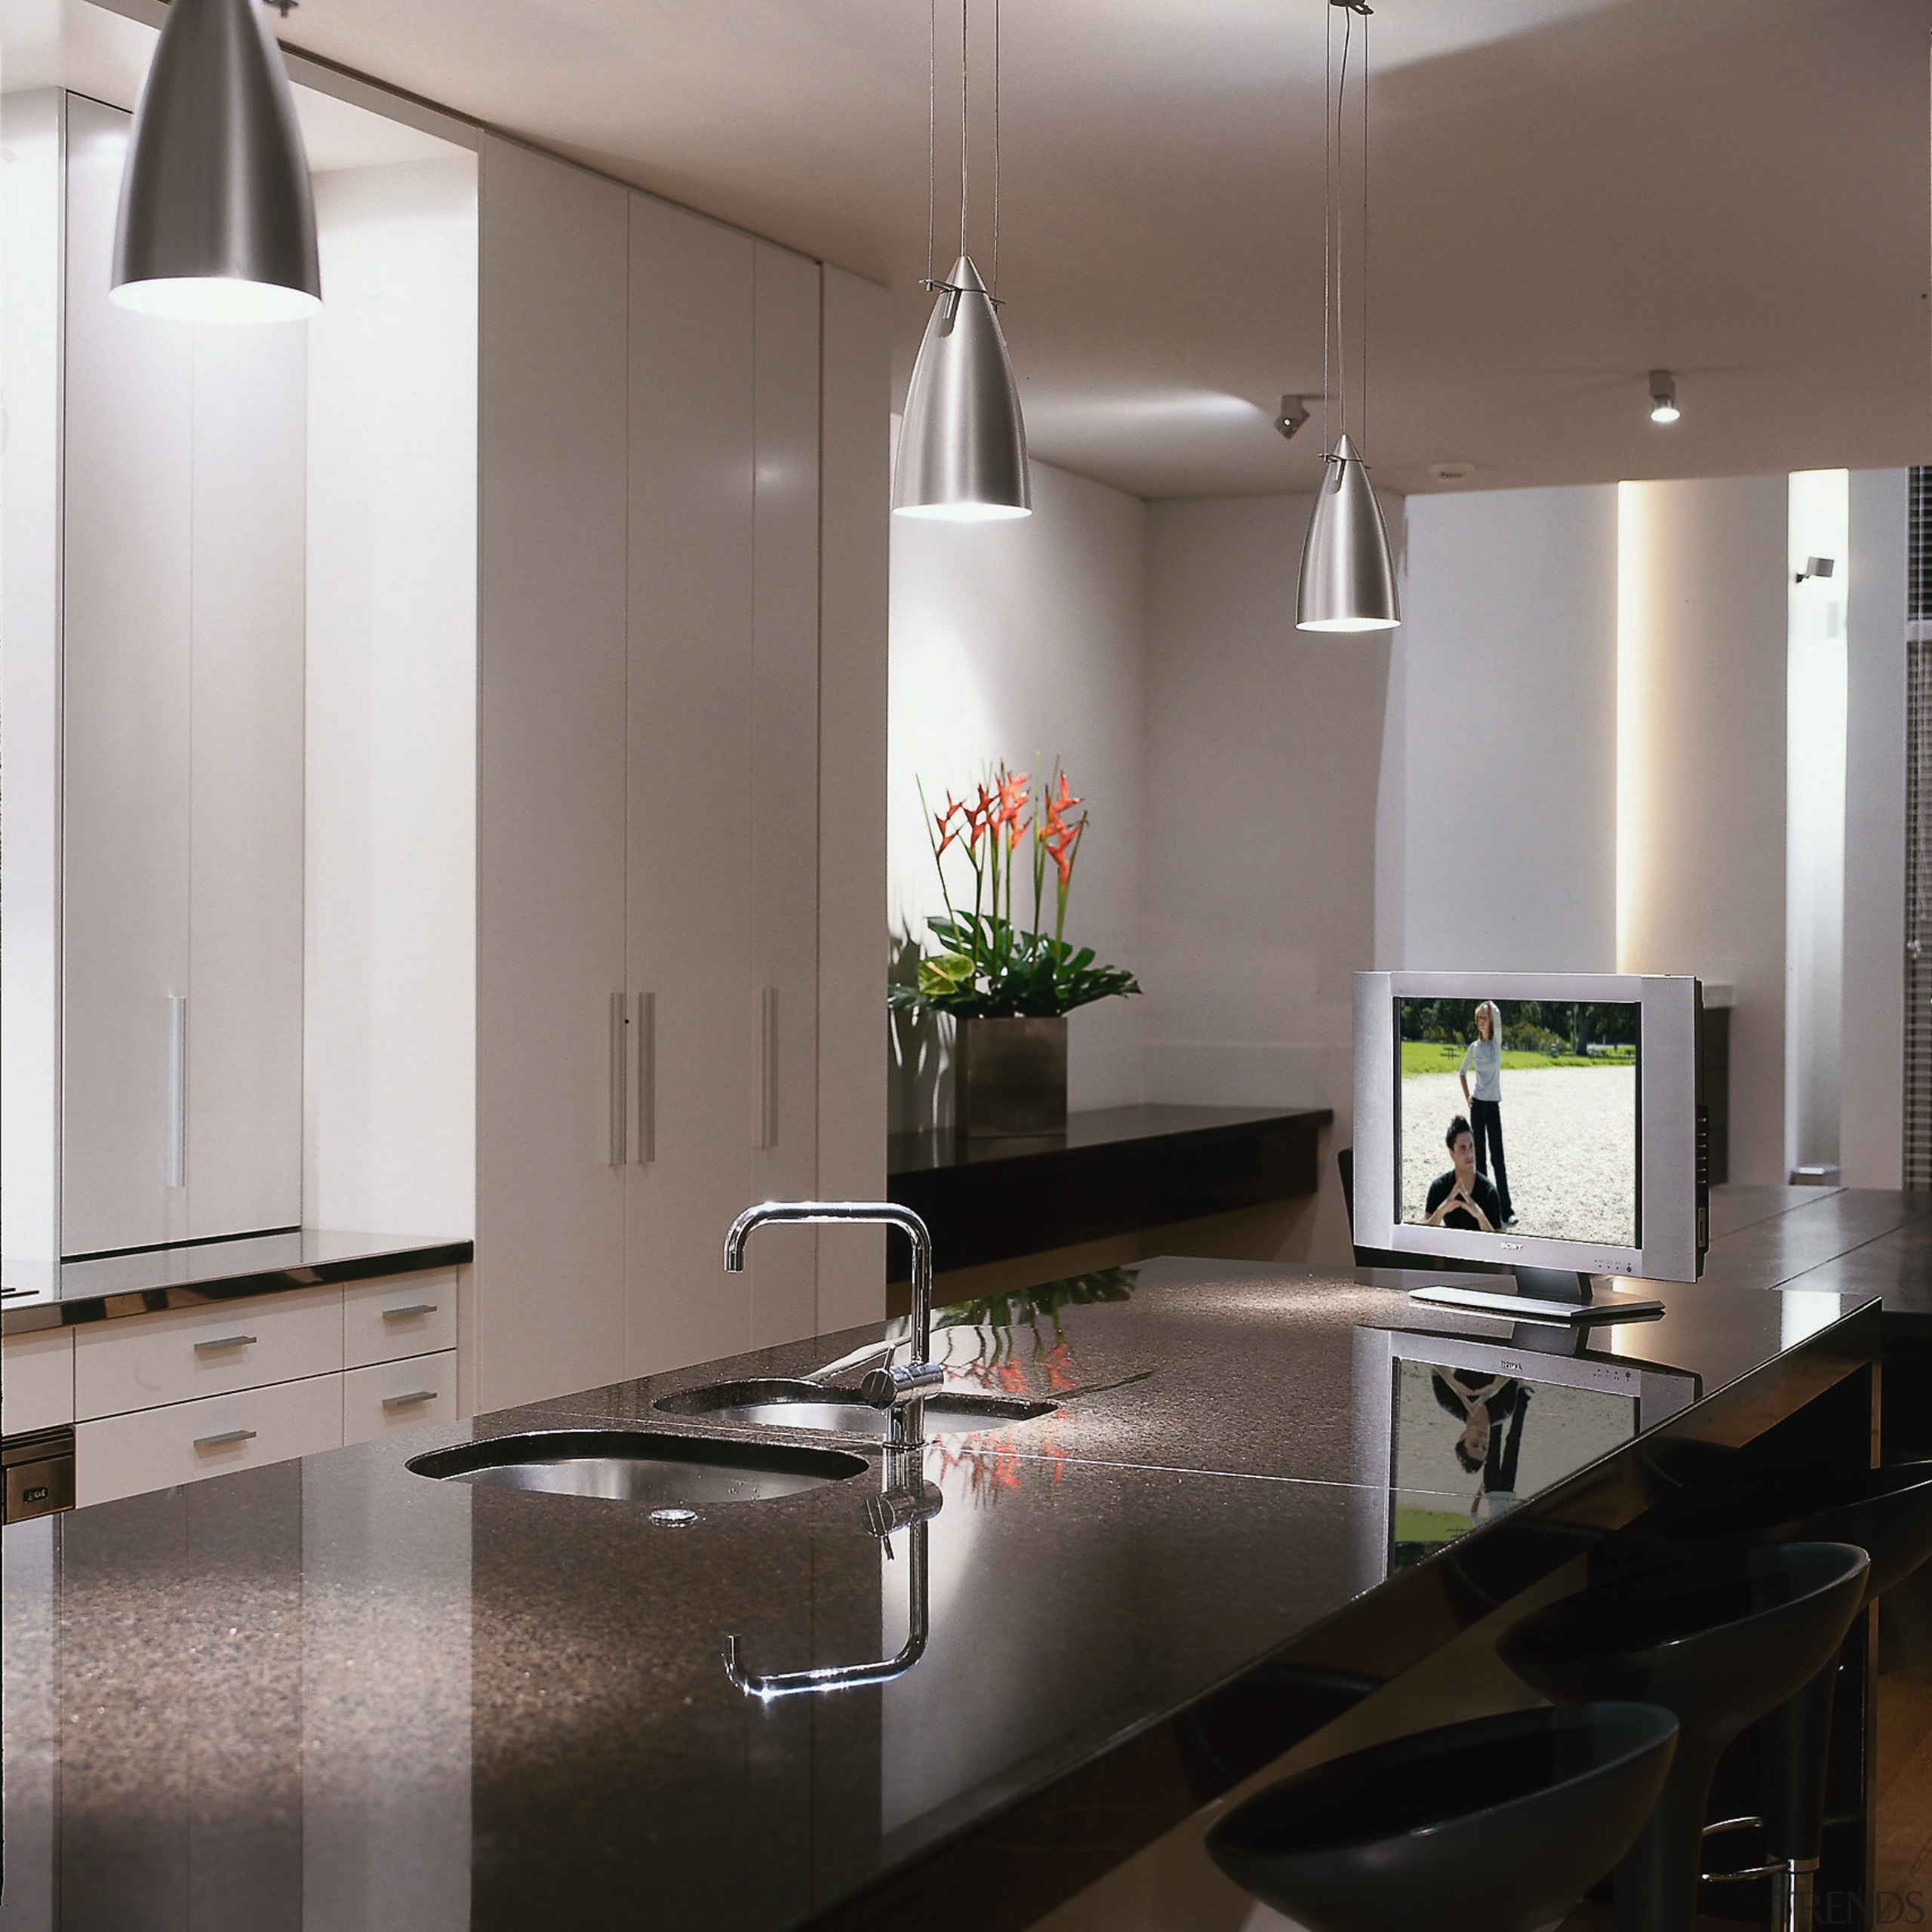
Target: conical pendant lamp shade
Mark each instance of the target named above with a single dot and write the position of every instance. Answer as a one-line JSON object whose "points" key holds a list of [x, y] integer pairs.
{"points": [[962, 452], [1348, 578], [217, 224]]}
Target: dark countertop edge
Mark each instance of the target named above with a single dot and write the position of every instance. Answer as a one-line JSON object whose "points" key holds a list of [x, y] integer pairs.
{"points": [[1027, 1151], [1072, 1828], [410, 1258]]}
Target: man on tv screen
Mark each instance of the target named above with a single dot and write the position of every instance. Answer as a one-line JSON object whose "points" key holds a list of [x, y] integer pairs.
{"points": [[1463, 1197]]}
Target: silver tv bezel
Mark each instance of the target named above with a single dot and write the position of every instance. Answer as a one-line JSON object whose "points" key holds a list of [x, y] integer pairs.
{"points": [[1671, 1212]]}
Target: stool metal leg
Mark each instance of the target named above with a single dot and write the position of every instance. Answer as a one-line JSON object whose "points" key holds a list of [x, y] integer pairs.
{"points": [[1791, 1892]]}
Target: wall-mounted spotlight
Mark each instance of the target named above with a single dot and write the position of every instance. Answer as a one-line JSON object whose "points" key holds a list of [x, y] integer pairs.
{"points": [[1816, 567], [1663, 396], [1293, 414]]}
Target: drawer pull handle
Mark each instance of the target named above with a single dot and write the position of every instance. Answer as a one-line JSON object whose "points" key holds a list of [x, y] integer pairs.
{"points": [[225, 1438], [409, 1401], [403, 1314], [221, 1341]]}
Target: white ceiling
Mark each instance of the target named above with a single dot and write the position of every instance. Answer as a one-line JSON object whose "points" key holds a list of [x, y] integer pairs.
{"points": [[1566, 193]]}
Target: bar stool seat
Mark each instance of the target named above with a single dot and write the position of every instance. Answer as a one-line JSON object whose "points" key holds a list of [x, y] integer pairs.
{"points": [[1500, 1825], [1886, 1513], [1716, 1643]]}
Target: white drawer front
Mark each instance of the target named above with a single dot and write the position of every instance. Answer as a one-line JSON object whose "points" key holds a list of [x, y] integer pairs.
{"points": [[145, 1360], [37, 1373], [395, 1396], [155, 1448], [402, 1314]]}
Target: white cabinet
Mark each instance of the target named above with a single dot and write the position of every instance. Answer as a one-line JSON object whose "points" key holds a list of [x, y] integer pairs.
{"points": [[652, 716], [182, 758], [389, 1397], [37, 1380]]}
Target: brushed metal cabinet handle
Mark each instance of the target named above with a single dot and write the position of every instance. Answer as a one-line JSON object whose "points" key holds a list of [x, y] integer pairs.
{"points": [[403, 1314], [409, 1400], [177, 1155], [647, 1078], [222, 1342], [619, 1099], [227, 1436]]}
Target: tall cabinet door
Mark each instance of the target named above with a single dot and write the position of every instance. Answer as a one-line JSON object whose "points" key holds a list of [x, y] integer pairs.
{"points": [[551, 1082], [244, 1153], [125, 890], [786, 830], [692, 619]]}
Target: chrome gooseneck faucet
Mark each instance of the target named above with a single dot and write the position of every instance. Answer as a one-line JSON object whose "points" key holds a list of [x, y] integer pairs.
{"points": [[902, 1390]]}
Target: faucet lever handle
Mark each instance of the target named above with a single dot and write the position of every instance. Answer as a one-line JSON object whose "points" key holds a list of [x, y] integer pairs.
{"points": [[887, 1388]]}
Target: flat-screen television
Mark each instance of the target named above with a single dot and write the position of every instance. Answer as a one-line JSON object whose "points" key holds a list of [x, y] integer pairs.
{"points": [[1548, 1121]]}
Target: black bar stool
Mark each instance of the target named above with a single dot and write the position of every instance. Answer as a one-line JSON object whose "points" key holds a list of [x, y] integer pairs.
{"points": [[1497, 1825], [1717, 1643], [1888, 1513]]}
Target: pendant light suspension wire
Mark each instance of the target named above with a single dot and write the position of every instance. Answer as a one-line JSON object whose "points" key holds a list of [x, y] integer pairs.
{"points": [[1328, 213], [1341, 260], [1362, 361], [963, 71], [932, 131], [995, 287]]}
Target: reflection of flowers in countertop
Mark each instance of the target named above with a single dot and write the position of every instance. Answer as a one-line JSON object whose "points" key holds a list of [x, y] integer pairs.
{"points": [[979, 1342]]}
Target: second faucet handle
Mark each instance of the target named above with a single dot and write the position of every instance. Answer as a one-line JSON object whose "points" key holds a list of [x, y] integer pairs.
{"points": [[887, 1388]]}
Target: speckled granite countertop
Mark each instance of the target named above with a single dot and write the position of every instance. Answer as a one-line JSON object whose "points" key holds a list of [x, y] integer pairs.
{"points": [[336, 1693]]}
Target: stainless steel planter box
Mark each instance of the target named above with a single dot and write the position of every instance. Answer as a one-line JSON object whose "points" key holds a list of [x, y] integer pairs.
{"points": [[1009, 1076]]}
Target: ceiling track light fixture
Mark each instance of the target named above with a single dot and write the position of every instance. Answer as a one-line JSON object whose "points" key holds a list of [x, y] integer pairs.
{"points": [[1348, 575], [1293, 413], [217, 222], [1663, 396], [962, 448]]}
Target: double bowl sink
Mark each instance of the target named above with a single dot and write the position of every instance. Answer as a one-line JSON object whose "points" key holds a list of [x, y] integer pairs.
{"points": [[676, 1474]]}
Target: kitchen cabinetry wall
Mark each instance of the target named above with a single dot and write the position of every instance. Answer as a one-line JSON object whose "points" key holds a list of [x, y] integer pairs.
{"points": [[182, 695], [651, 949]]}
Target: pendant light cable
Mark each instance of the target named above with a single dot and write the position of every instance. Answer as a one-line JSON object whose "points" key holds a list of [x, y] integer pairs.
{"points": [[932, 131], [1362, 361], [1328, 213], [962, 125], [995, 290], [1341, 260]]}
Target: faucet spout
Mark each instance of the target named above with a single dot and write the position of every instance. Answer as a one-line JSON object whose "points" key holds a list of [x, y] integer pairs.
{"points": [[878, 1213]]}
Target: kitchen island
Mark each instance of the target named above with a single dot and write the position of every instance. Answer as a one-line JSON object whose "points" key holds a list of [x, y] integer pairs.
{"points": [[337, 1693]]}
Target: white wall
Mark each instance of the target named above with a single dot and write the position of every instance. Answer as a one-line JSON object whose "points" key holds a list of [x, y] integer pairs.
{"points": [[1499, 845], [1025, 641], [389, 1046], [1701, 860], [1262, 765], [1872, 1040]]}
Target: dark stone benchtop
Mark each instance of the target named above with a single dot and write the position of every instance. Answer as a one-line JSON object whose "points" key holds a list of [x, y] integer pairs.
{"points": [[156, 1278], [933, 1148], [340, 1688]]}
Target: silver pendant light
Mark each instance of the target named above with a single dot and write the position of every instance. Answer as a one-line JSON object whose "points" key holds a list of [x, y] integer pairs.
{"points": [[217, 223], [962, 448], [1348, 575]]}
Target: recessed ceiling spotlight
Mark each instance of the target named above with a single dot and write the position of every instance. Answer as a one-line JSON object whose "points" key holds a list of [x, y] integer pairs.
{"points": [[1452, 472], [1293, 414], [1663, 396]]}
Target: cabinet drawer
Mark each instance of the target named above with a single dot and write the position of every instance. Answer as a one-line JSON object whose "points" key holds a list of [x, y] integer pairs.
{"points": [[146, 1360], [37, 1380], [395, 1396], [156, 1448], [406, 1315]]}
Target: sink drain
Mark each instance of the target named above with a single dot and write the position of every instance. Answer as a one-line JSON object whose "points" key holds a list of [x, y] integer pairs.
{"points": [[673, 1519]]}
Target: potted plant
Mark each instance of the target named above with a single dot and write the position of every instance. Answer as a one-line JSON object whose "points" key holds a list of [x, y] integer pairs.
{"points": [[1008, 988]]}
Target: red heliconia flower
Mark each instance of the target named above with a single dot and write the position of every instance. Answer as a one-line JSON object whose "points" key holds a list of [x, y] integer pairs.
{"points": [[979, 816], [953, 809]]}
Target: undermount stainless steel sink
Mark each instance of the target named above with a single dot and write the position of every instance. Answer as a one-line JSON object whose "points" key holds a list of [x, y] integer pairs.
{"points": [[782, 1403], [662, 1471]]}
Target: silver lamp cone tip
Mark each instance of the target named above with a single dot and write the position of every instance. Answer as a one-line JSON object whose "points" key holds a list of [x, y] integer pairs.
{"points": [[1348, 576], [962, 450], [217, 221]]}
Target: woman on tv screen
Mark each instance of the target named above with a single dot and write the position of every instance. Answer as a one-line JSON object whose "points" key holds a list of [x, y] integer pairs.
{"points": [[1484, 1059]]}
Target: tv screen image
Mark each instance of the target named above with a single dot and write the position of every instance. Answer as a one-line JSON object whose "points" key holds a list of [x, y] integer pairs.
{"points": [[1549, 1092], [1470, 1443]]}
